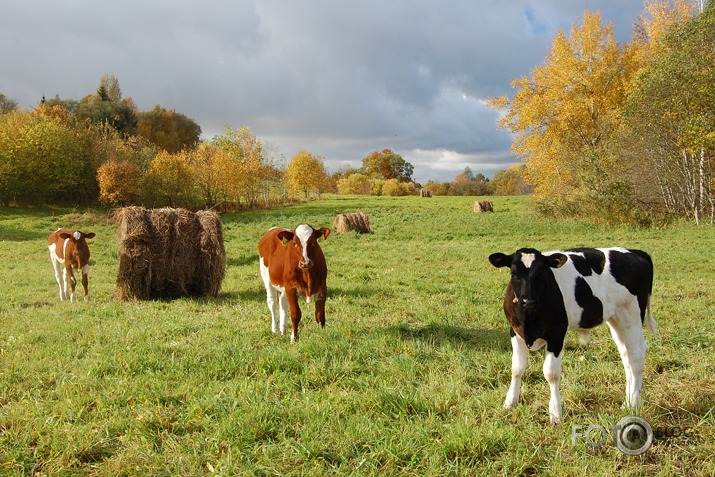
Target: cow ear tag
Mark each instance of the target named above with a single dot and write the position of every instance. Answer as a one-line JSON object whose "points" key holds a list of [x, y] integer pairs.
{"points": [[284, 241]]}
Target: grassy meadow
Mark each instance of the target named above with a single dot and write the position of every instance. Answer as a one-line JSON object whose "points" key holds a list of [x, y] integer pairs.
{"points": [[407, 378]]}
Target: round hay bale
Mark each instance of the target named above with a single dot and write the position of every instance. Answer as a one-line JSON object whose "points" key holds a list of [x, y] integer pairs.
{"points": [[352, 222], [483, 206], [169, 253]]}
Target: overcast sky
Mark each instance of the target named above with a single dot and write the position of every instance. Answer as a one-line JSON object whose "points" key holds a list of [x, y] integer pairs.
{"points": [[337, 78]]}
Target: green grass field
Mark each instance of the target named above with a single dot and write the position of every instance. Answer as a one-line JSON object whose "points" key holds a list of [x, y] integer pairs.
{"points": [[407, 378]]}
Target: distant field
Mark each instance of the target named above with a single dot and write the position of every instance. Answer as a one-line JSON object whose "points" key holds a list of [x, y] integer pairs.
{"points": [[407, 378]]}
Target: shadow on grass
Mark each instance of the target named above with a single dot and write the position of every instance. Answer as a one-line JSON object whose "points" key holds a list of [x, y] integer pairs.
{"points": [[440, 334], [253, 294], [14, 235], [251, 259]]}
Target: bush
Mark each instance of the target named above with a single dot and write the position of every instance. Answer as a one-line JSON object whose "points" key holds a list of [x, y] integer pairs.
{"points": [[393, 188], [354, 184]]}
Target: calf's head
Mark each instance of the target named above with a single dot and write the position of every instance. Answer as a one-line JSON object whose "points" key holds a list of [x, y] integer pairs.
{"points": [[80, 254], [530, 274], [304, 240]]}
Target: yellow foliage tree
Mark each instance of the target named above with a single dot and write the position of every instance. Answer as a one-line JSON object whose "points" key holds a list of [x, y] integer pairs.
{"points": [[118, 182], [170, 180], [356, 183], [213, 172], [565, 113], [248, 171], [658, 17], [306, 173], [510, 181]]}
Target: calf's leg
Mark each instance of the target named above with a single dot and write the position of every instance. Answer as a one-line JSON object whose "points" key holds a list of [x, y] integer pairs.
{"points": [[295, 313], [519, 361], [285, 310], [59, 277], [627, 332], [271, 295], [552, 373], [69, 278], [320, 308], [85, 282]]}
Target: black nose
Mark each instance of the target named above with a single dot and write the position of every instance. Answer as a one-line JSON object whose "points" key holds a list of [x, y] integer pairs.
{"points": [[527, 303]]}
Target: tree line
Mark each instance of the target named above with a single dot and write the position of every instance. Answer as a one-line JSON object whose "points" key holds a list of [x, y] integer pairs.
{"points": [[102, 149], [622, 132]]}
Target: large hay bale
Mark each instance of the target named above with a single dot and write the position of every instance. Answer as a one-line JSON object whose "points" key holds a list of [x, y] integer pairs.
{"points": [[425, 193], [483, 206], [353, 222], [169, 253]]}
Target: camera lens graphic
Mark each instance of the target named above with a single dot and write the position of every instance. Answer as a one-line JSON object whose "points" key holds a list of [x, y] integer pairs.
{"points": [[634, 435]]}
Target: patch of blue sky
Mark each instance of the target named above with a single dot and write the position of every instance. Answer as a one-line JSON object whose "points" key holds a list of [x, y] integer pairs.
{"points": [[537, 27]]}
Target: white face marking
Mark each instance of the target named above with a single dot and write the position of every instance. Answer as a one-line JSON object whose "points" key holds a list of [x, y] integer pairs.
{"points": [[527, 259], [77, 235], [303, 232]]}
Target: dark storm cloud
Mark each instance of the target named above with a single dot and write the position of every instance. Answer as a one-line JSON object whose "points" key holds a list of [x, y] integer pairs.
{"points": [[339, 79]]}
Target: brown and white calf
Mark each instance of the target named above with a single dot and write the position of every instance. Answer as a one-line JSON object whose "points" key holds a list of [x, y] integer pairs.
{"points": [[552, 292], [69, 251], [292, 262]]}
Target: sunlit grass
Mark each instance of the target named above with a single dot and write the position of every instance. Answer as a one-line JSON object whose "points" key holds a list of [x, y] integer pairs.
{"points": [[407, 378]]}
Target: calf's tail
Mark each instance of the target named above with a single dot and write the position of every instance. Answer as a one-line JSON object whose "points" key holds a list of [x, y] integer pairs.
{"points": [[650, 321]]}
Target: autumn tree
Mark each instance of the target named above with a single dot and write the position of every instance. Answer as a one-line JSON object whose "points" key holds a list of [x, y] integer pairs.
{"points": [[250, 172], [109, 84], [119, 182], [670, 117], [211, 169], [69, 105], [169, 130], [510, 181], [387, 165], [355, 183], [467, 183], [40, 158], [7, 105], [437, 188], [306, 173], [657, 18], [98, 109], [170, 181], [566, 113], [395, 188]]}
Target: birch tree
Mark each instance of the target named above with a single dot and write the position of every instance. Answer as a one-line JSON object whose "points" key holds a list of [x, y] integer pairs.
{"points": [[671, 118]]}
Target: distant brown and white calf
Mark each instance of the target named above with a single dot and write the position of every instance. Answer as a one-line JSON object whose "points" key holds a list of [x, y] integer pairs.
{"points": [[292, 262], [552, 292], [69, 251]]}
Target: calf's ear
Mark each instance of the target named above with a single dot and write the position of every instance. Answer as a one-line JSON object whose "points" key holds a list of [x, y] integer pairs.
{"points": [[500, 260], [285, 236], [557, 260], [89, 235], [65, 235], [324, 231]]}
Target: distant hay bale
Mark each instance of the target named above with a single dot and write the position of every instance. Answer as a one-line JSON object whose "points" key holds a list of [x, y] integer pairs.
{"points": [[483, 206], [425, 193], [353, 222], [169, 253]]}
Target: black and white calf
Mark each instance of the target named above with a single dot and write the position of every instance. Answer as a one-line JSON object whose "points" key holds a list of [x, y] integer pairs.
{"points": [[552, 292]]}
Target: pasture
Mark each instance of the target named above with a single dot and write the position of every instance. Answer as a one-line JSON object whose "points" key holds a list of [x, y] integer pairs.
{"points": [[407, 378]]}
